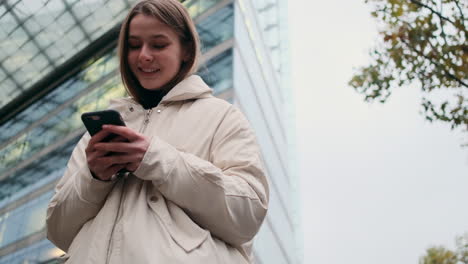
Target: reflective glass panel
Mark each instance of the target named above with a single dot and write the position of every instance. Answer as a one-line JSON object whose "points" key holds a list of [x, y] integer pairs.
{"points": [[217, 28], [217, 72], [198, 7], [38, 173], [24, 220], [60, 95], [41, 252], [58, 126], [70, 25]]}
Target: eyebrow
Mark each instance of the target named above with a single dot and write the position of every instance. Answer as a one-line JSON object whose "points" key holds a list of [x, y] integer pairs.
{"points": [[152, 36]]}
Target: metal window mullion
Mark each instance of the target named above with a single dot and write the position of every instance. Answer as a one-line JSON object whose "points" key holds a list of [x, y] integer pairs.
{"points": [[270, 26], [272, 70], [27, 197], [10, 76], [211, 10], [278, 240], [274, 184], [23, 243], [128, 3], [209, 32], [265, 48], [216, 50], [266, 7], [30, 36], [43, 152], [54, 78], [77, 21], [53, 113], [268, 125]]}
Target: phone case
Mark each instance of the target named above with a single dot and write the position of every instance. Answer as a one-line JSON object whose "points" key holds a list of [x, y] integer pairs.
{"points": [[94, 121]]}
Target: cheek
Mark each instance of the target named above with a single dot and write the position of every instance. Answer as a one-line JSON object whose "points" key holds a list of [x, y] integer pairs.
{"points": [[132, 57], [175, 59]]}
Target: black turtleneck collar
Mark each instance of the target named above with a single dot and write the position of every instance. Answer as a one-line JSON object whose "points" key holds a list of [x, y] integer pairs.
{"points": [[150, 99]]}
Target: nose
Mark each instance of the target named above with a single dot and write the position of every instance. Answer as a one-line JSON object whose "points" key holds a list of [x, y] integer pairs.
{"points": [[145, 54]]}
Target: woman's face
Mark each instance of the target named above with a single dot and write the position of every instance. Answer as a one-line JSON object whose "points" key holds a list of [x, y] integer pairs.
{"points": [[155, 53]]}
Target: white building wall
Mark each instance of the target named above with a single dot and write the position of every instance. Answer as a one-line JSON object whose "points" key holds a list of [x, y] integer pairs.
{"points": [[258, 93]]}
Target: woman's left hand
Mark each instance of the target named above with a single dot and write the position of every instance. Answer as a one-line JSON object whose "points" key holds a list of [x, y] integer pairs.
{"points": [[131, 152]]}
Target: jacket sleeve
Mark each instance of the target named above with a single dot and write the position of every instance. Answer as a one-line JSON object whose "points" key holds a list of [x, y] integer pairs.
{"points": [[229, 195], [78, 197]]}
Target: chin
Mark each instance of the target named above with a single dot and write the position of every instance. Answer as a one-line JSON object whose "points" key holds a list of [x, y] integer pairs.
{"points": [[151, 86], [155, 85]]}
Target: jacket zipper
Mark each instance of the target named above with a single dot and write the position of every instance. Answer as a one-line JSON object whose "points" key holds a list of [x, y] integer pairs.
{"points": [[119, 211], [146, 120]]}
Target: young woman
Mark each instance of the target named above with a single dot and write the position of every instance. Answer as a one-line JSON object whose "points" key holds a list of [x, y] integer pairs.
{"points": [[194, 191]]}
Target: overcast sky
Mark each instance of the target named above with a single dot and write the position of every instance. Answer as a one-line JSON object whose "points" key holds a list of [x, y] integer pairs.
{"points": [[379, 184]]}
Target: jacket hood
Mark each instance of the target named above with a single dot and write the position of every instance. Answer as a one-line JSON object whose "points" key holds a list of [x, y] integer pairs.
{"points": [[192, 87]]}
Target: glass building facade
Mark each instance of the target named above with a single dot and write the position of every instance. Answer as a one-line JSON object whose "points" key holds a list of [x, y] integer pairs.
{"points": [[58, 59]]}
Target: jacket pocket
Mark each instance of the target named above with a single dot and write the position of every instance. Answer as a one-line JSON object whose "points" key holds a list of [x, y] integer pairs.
{"points": [[186, 233]]}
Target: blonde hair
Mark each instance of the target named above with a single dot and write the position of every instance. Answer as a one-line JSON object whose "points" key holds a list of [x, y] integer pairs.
{"points": [[173, 14]]}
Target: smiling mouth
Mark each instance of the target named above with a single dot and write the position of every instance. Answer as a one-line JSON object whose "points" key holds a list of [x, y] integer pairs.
{"points": [[148, 70]]}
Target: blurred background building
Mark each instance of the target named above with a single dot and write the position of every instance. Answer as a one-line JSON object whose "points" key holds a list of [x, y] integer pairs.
{"points": [[58, 59]]}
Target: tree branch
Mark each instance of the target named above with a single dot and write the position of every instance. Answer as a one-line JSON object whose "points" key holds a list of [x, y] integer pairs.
{"points": [[448, 74], [461, 12], [433, 11], [421, 53], [442, 29]]}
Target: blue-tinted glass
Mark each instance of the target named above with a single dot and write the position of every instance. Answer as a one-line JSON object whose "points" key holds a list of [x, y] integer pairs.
{"points": [[41, 252], [59, 126], [198, 7], [64, 92], [67, 25], [217, 72], [216, 28], [40, 172], [24, 220]]}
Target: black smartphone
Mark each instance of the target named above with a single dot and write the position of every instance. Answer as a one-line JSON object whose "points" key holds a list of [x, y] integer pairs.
{"points": [[94, 121]]}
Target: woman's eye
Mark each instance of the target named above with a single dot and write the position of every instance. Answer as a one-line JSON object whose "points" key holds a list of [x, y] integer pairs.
{"points": [[159, 46], [133, 47]]}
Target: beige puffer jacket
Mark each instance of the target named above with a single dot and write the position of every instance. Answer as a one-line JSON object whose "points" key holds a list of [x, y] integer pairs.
{"points": [[199, 195]]}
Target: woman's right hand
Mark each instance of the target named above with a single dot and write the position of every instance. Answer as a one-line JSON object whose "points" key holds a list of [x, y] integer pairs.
{"points": [[101, 168]]}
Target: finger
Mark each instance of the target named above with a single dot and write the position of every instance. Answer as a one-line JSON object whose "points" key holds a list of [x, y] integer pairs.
{"points": [[132, 166], [123, 131], [97, 162], [98, 166], [109, 172], [118, 139], [108, 161], [98, 137], [92, 152], [99, 153], [122, 147]]}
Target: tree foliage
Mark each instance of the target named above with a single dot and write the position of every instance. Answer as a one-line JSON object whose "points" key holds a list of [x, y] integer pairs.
{"points": [[441, 255], [423, 42]]}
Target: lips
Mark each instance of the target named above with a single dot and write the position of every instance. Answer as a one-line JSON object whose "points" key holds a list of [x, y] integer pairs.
{"points": [[148, 70]]}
